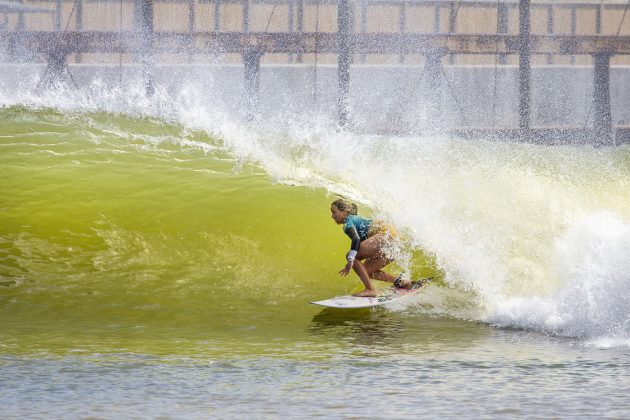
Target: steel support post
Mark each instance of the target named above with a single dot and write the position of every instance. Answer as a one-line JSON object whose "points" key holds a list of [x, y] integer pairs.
{"points": [[503, 20], [433, 87], [251, 63], [602, 118], [524, 70], [144, 28], [343, 61]]}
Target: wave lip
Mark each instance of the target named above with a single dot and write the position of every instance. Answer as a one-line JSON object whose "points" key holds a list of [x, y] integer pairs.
{"points": [[593, 261]]}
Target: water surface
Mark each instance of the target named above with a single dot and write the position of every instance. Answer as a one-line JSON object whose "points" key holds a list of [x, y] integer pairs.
{"points": [[152, 268]]}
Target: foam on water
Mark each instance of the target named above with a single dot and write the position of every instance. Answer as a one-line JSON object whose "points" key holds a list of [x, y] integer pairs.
{"points": [[533, 237], [592, 259]]}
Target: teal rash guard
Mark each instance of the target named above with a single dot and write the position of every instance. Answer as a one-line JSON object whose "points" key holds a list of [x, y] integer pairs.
{"points": [[357, 228]]}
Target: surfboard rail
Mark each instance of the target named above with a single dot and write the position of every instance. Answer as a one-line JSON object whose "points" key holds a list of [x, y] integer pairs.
{"points": [[386, 295]]}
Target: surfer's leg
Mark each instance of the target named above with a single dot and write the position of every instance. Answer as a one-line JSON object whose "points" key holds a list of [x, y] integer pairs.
{"points": [[374, 267], [369, 290], [383, 276], [371, 247], [360, 270], [376, 260]]}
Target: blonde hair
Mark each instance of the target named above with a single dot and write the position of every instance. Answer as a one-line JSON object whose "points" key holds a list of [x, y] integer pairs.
{"points": [[342, 204]]}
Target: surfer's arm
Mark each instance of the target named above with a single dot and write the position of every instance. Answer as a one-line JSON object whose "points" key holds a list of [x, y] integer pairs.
{"points": [[351, 231]]}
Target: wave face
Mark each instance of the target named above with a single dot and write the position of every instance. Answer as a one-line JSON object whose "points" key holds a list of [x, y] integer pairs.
{"points": [[110, 223], [118, 207]]}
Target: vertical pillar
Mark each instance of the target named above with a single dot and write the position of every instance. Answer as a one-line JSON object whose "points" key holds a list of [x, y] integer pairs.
{"points": [[191, 28], [602, 121], [300, 25], [524, 70], [79, 14], [550, 11], [436, 17], [364, 26], [573, 26], [251, 63], [58, 10], [452, 25], [191, 16], [144, 28], [290, 24], [79, 21], [452, 17], [12, 48], [56, 70], [433, 74], [402, 21], [246, 15], [343, 61], [503, 20], [598, 19], [21, 23], [217, 15]]}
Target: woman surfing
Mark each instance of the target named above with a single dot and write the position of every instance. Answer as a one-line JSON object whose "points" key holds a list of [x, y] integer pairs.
{"points": [[368, 240]]}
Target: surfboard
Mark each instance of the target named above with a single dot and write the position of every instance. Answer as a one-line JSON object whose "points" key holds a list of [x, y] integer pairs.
{"points": [[385, 295]]}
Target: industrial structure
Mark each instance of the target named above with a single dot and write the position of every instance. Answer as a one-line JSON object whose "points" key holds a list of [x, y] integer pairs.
{"points": [[429, 33]]}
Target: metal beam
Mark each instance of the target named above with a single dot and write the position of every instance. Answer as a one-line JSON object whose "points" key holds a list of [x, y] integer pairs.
{"points": [[321, 43], [13, 7]]}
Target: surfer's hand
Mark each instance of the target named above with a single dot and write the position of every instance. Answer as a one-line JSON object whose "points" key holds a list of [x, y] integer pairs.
{"points": [[344, 271]]}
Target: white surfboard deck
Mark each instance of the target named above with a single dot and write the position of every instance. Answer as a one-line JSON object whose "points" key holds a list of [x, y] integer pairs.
{"points": [[385, 295]]}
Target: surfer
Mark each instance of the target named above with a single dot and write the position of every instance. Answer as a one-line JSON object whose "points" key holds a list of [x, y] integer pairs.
{"points": [[368, 239]]}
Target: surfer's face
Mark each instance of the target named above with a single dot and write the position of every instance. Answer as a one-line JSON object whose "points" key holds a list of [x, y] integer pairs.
{"points": [[338, 216]]}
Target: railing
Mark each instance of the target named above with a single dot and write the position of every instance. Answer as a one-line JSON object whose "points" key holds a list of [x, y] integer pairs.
{"points": [[368, 16], [20, 10], [309, 43]]}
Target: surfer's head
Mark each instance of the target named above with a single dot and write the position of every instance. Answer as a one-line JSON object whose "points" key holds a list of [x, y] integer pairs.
{"points": [[341, 208]]}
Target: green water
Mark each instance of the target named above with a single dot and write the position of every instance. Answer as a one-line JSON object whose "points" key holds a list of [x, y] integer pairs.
{"points": [[146, 270], [114, 232], [119, 234]]}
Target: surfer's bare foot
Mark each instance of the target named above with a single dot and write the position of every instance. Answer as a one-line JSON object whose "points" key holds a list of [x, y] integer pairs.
{"points": [[366, 293]]}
